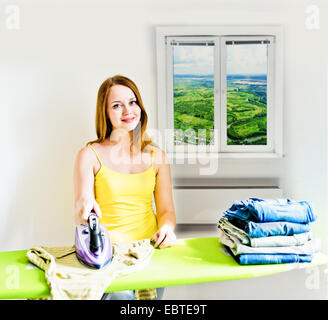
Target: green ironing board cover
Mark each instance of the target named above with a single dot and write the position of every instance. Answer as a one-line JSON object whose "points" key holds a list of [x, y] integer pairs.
{"points": [[189, 261]]}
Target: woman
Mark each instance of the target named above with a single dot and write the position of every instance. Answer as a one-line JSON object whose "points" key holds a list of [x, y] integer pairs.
{"points": [[117, 174]]}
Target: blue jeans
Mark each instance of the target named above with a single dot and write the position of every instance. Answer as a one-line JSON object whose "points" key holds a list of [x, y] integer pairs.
{"points": [[269, 210], [253, 258], [266, 229], [272, 258], [129, 295]]}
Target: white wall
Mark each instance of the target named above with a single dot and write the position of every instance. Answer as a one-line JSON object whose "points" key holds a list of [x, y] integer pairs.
{"points": [[50, 71]]}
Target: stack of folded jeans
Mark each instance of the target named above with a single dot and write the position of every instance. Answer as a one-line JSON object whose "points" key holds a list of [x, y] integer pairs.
{"points": [[270, 231]]}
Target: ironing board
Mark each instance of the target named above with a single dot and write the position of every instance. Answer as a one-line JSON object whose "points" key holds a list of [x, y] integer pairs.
{"points": [[190, 261]]}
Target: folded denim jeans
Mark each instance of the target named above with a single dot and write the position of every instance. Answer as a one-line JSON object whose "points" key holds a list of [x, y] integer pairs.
{"points": [[279, 241], [237, 248], [249, 259], [269, 210], [266, 229]]}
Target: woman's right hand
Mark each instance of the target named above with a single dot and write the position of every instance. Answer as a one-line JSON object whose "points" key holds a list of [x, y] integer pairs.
{"points": [[83, 211]]}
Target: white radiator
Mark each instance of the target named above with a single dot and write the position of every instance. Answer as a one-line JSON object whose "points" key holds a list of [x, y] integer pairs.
{"points": [[206, 204]]}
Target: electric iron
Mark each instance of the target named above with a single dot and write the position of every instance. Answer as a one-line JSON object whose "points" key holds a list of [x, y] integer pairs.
{"points": [[92, 243]]}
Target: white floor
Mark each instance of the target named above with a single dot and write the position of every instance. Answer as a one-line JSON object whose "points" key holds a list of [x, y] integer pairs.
{"points": [[309, 283]]}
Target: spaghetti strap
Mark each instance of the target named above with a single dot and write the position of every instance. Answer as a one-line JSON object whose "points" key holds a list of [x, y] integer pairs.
{"points": [[152, 156], [90, 146]]}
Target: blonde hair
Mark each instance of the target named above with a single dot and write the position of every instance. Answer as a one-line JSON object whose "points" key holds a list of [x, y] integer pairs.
{"points": [[103, 125]]}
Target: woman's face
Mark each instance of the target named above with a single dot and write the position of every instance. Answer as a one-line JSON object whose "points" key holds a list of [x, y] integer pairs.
{"points": [[123, 110]]}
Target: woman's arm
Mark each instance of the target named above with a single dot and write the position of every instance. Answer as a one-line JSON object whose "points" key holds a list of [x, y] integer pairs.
{"points": [[166, 219], [84, 200]]}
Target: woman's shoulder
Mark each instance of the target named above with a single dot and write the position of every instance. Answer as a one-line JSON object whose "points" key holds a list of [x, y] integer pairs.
{"points": [[160, 156], [86, 154]]}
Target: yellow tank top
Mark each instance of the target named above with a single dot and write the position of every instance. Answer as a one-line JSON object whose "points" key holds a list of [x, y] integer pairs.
{"points": [[125, 201]]}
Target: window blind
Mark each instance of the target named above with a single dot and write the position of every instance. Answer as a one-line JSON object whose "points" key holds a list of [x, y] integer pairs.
{"points": [[192, 43], [232, 42]]}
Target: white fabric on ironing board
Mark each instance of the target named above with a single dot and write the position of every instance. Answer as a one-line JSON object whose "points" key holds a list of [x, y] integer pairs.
{"points": [[69, 279]]}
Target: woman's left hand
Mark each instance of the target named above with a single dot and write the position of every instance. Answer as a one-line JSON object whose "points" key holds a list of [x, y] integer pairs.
{"points": [[164, 237]]}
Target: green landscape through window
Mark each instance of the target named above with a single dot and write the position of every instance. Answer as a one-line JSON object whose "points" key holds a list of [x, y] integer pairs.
{"points": [[246, 68], [193, 94], [246, 93]]}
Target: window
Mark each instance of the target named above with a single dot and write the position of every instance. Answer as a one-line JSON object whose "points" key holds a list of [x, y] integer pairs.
{"points": [[222, 90]]}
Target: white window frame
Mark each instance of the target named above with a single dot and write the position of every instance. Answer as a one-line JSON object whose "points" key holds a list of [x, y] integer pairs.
{"points": [[165, 107], [170, 99], [270, 105]]}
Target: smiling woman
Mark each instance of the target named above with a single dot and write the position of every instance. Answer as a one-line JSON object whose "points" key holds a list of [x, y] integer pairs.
{"points": [[118, 99], [123, 111], [117, 174]]}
